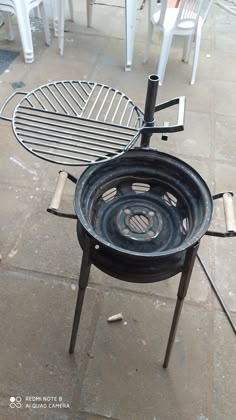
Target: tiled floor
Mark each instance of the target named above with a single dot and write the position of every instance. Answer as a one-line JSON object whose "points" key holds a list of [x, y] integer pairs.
{"points": [[116, 371]]}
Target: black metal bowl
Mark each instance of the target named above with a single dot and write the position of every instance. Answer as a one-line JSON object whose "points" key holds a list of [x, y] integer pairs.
{"points": [[145, 207]]}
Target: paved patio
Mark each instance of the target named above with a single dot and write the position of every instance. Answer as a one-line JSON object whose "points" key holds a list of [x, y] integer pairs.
{"points": [[116, 371]]}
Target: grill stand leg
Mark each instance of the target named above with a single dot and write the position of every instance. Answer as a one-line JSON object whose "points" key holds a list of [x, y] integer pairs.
{"points": [[83, 282], [182, 291]]}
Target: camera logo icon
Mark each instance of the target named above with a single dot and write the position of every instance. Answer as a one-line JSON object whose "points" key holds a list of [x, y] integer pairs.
{"points": [[15, 402]]}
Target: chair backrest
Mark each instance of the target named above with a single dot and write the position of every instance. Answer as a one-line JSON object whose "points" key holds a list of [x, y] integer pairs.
{"points": [[186, 16], [189, 11]]}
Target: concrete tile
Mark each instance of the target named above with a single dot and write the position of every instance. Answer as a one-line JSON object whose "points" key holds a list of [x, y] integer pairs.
{"points": [[16, 208], [224, 96], [224, 176], [125, 380], [224, 247], [225, 40], [36, 321], [18, 167], [224, 365], [223, 66], [40, 247], [225, 269], [225, 148]]}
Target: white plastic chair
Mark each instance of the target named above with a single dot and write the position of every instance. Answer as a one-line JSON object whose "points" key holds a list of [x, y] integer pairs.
{"points": [[184, 21], [22, 8]]}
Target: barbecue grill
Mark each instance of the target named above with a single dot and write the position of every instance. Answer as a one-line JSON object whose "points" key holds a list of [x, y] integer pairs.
{"points": [[140, 213]]}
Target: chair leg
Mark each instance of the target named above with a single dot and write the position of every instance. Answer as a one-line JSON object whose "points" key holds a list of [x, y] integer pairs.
{"points": [[55, 14], [8, 26], [130, 23], [182, 291], [45, 24], [83, 282], [188, 40], [89, 4], [71, 7], [61, 23], [148, 42], [196, 52], [164, 54], [25, 33]]}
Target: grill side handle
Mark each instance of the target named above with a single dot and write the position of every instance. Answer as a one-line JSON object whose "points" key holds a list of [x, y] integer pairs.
{"points": [[56, 199], [2, 117], [166, 128], [229, 216]]}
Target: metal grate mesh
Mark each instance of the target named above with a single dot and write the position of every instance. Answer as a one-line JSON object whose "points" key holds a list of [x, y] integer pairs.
{"points": [[76, 122]]}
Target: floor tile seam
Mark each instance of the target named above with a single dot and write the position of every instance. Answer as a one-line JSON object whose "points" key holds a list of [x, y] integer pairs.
{"points": [[103, 288], [10, 186], [151, 295], [56, 278], [219, 310], [225, 81], [41, 188]]}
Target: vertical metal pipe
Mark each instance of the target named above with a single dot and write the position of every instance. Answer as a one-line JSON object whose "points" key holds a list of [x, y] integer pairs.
{"points": [[153, 81], [182, 291], [83, 282]]}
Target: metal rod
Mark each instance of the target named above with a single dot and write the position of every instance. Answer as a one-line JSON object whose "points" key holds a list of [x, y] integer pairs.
{"points": [[182, 291], [39, 101], [110, 106], [117, 108], [42, 91], [65, 149], [55, 117], [46, 152], [218, 294], [95, 102], [80, 149], [89, 96], [71, 95], [153, 81], [78, 93], [83, 282], [103, 103], [61, 94], [124, 111], [72, 131], [71, 138], [83, 88]]}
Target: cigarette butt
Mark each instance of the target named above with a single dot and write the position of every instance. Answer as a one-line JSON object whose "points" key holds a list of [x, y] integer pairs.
{"points": [[114, 318]]}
